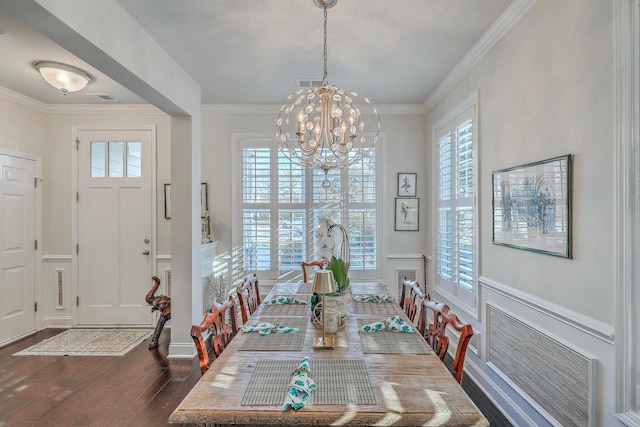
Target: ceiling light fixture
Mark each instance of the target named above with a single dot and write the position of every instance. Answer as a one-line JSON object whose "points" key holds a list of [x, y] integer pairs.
{"points": [[329, 125], [66, 78]]}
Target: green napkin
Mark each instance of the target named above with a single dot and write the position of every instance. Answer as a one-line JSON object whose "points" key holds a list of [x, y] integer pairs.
{"points": [[284, 300], [379, 298], [267, 328], [300, 387], [393, 324]]}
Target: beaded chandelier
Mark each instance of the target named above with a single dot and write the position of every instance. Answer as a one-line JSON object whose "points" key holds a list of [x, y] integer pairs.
{"points": [[327, 122]]}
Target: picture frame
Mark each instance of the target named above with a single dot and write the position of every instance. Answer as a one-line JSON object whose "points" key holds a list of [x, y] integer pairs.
{"points": [[407, 214], [407, 184], [204, 200], [532, 206]]}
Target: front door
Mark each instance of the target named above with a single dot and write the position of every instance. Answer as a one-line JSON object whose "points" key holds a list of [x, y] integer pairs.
{"points": [[17, 247], [115, 219]]}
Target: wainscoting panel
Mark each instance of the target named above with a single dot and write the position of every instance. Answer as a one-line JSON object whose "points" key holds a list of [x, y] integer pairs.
{"points": [[559, 379]]}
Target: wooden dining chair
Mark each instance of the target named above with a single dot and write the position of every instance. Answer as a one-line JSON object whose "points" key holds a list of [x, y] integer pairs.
{"points": [[410, 296], [438, 340], [248, 296], [309, 269], [423, 317], [220, 320]]}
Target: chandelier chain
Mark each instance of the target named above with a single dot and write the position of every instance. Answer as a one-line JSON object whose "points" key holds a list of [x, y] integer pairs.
{"points": [[324, 77]]}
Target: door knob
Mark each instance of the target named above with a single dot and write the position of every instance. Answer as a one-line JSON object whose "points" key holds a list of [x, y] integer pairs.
{"points": [[145, 252]]}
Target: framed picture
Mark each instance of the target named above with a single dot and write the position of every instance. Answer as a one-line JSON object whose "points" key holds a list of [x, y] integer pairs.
{"points": [[204, 200], [407, 214], [167, 201], [532, 206], [407, 184]]}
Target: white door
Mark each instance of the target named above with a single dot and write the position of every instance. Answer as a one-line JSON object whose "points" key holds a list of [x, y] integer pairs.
{"points": [[17, 246], [114, 235]]}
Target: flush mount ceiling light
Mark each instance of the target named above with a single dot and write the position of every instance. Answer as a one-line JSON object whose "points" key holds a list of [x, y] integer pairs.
{"points": [[327, 121], [66, 78]]}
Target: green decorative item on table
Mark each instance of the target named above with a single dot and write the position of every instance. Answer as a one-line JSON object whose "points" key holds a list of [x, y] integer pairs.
{"points": [[340, 274]]}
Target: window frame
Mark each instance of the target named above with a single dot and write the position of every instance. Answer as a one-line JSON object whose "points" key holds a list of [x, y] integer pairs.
{"points": [[242, 141], [451, 290]]}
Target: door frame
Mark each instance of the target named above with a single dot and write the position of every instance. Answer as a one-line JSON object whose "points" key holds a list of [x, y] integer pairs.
{"points": [[37, 259], [75, 223]]}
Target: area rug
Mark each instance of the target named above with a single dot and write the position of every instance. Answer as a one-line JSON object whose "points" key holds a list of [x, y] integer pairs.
{"points": [[88, 342]]}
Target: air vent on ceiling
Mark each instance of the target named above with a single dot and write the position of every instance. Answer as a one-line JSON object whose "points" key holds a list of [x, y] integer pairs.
{"points": [[101, 97], [308, 83]]}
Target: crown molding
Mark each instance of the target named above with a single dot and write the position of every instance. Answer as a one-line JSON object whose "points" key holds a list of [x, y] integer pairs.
{"points": [[509, 17], [25, 101], [112, 109], [222, 109]]}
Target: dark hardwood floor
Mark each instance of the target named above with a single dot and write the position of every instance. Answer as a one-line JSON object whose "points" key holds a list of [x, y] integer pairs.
{"points": [[139, 389]]}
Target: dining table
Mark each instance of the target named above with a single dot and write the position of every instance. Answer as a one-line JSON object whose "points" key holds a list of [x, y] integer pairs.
{"points": [[381, 377]]}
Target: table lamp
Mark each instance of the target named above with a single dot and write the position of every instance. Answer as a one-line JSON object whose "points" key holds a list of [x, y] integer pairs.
{"points": [[323, 283]]}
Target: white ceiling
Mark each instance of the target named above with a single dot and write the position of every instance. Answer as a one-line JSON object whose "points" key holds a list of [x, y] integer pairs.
{"points": [[252, 51]]}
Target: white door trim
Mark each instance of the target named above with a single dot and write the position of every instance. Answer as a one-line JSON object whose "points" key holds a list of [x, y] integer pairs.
{"points": [[37, 232], [75, 130]]}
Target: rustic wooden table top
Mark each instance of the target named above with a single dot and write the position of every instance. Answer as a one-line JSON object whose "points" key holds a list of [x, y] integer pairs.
{"points": [[409, 389]]}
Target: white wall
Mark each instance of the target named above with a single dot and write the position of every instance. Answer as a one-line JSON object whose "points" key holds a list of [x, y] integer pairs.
{"points": [[546, 89]]}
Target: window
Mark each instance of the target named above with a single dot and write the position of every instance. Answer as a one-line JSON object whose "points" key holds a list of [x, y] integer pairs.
{"points": [[120, 159], [456, 222], [280, 202]]}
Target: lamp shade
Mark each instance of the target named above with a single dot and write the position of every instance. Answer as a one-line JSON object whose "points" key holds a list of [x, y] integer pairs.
{"points": [[323, 282], [64, 77]]}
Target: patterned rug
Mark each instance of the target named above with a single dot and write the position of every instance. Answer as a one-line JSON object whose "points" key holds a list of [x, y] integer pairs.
{"points": [[88, 342]]}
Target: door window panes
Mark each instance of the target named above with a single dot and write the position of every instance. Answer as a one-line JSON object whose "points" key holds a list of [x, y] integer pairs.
{"points": [[115, 159], [134, 159], [97, 159]]}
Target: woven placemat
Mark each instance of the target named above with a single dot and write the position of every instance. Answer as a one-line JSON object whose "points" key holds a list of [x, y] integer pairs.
{"points": [[388, 342], [305, 288], [288, 309], [339, 382], [375, 308], [369, 288], [284, 342]]}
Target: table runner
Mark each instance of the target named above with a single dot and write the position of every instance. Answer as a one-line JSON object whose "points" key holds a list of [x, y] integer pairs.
{"points": [[277, 342], [288, 309], [389, 342], [339, 382], [384, 309]]}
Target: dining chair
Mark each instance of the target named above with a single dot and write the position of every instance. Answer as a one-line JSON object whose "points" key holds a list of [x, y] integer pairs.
{"points": [[436, 335], [423, 317], [221, 321], [309, 269], [410, 294], [248, 296]]}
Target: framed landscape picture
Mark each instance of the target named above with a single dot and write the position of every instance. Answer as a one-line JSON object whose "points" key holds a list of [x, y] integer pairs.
{"points": [[532, 206], [407, 214]]}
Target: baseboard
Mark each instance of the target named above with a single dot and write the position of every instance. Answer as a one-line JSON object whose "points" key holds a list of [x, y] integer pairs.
{"points": [[56, 322], [182, 351]]}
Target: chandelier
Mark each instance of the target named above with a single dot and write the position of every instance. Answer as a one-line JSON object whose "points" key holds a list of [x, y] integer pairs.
{"points": [[327, 121]]}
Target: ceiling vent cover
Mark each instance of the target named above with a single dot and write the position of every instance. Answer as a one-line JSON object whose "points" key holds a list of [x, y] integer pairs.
{"points": [[101, 97], [308, 83]]}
